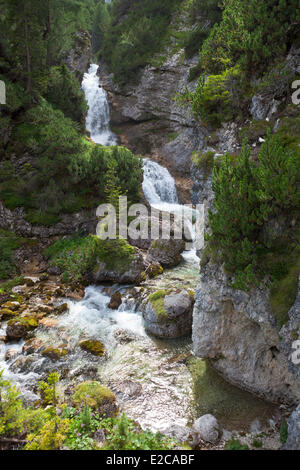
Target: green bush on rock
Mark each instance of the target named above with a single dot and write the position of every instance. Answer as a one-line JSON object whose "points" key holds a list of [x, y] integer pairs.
{"points": [[95, 396]]}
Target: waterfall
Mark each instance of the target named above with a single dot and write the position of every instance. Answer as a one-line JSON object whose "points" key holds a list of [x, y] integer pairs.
{"points": [[158, 185], [98, 118], [159, 188]]}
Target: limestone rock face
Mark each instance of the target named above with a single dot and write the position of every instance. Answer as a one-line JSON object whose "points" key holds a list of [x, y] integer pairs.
{"points": [[85, 221], [208, 428], [293, 440], [150, 119], [166, 252], [170, 315], [237, 330], [80, 55], [134, 273]]}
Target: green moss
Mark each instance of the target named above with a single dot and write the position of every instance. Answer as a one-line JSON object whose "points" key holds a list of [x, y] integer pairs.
{"points": [[93, 346], [257, 443], [254, 130], [204, 162], [5, 313], [284, 431], [284, 290], [235, 444], [157, 302], [36, 217], [93, 395], [9, 243], [29, 322], [116, 254], [54, 353], [6, 287]]}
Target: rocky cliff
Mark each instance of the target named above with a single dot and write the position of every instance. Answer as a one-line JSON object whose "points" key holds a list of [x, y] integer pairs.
{"points": [[149, 119], [238, 333]]}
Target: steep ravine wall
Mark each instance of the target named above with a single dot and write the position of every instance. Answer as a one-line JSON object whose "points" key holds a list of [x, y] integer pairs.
{"points": [[149, 119], [235, 330]]}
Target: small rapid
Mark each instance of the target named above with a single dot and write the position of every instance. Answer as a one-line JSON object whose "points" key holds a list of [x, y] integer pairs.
{"points": [[98, 118]]}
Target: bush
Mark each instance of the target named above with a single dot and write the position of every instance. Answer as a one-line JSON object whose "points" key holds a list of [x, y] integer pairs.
{"points": [[9, 242], [136, 32], [64, 93], [74, 168], [248, 195]]}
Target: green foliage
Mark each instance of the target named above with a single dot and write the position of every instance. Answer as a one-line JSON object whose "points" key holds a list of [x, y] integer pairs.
{"points": [[284, 431], [11, 420], [126, 436], [250, 33], [235, 444], [78, 255], [136, 31], [74, 168], [204, 162], [75, 256], [257, 443], [116, 254], [157, 301], [74, 428], [248, 195], [92, 395], [64, 93], [216, 99], [9, 242]]}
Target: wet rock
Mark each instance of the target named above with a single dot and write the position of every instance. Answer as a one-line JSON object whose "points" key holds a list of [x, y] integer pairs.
{"points": [[93, 347], [208, 428], [62, 308], [44, 277], [75, 294], [10, 354], [54, 353], [6, 314], [166, 252], [49, 322], [18, 328], [183, 434], [115, 301], [169, 314], [293, 440], [154, 270], [32, 345], [133, 273], [238, 330], [128, 388], [12, 306], [124, 337]]}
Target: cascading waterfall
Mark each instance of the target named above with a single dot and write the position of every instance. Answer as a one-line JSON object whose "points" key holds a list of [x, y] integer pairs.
{"points": [[159, 188], [98, 118]]}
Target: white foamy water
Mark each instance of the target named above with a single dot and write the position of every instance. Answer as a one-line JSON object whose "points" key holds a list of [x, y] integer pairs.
{"points": [[98, 118], [160, 190]]}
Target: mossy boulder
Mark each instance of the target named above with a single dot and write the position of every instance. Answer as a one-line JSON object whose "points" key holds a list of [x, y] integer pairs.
{"points": [[93, 347], [154, 270], [19, 327], [14, 306], [54, 353], [168, 314], [62, 308], [6, 314], [166, 252], [97, 397]]}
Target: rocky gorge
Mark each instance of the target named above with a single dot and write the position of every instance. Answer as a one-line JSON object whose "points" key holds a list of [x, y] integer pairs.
{"points": [[178, 347]]}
